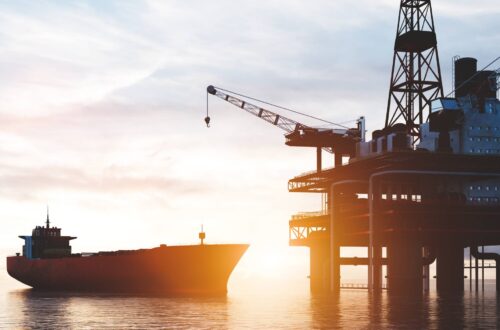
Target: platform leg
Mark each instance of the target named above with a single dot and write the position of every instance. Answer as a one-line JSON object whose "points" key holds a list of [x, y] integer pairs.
{"points": [[320, 266], [450, 268], [404, 267]]}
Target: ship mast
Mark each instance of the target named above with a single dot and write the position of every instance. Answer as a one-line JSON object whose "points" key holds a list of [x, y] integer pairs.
{"points": [[48, 220]]}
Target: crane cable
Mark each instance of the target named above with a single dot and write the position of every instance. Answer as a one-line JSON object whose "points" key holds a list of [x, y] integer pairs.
{"points": [[273, 105], [207, 118]]}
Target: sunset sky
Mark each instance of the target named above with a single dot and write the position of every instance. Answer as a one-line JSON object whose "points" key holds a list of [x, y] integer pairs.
{"points": [[102, 106]]}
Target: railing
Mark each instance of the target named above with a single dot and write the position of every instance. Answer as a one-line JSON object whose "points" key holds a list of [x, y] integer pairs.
{"points": [[295, 185], [292, 185], [309, 179], [303, 224], [307, 173], [304, 215], [479, 265], [358, 286], [303, 233]]}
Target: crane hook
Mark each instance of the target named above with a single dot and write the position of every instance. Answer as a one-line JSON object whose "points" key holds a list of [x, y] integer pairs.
{"points": [[207, 118]]}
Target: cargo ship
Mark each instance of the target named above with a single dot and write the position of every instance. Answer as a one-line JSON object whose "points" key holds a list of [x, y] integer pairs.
{"points": [[47, 263]]}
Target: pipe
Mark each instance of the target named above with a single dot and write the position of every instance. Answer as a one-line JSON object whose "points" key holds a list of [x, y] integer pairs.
{"points": [[362, 128], [482, 269], [371, 216], [425, 260], [318, 160], [491, 256], [470, 271], [371, 204]]}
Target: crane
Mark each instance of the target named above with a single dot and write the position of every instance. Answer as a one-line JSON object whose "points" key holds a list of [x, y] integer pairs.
{"points": [[338, 141]]}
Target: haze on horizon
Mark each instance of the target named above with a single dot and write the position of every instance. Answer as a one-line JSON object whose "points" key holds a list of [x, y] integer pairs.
{"points": [[102, 107]]}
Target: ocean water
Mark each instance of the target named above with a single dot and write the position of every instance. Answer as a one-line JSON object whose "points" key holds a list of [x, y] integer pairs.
{"points": [[249, 305]]}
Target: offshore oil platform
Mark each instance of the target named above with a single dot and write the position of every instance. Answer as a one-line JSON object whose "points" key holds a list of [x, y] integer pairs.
{"points": [[423, 189]]}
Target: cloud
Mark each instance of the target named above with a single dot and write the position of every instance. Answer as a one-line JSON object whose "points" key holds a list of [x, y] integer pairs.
{"points": [[63, 54], [36, 181], [468, 10]]}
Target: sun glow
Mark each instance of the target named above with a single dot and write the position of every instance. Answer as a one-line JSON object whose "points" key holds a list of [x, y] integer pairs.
{"points": [[272, 262]]}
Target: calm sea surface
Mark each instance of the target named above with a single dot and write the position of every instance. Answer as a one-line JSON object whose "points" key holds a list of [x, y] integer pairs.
{"points": [[248, 305]]}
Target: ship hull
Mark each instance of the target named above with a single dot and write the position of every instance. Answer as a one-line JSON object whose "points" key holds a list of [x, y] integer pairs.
{"points": [[185, 270]]}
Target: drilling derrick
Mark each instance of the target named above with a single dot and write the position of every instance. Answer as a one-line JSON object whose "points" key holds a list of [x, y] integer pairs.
{"points": [[416, 73]]}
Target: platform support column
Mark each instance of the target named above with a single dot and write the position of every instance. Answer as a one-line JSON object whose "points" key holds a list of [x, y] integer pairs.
{"points": [[374, 247], [450, 267], [426, 273], [377, 267], [335, 269], [320, 266], [404, 266], [334, 243], [497, 273]]}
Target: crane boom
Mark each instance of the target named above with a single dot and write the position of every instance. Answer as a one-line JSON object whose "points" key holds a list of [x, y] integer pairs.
{"points": [[338, 141], [286, 124]]}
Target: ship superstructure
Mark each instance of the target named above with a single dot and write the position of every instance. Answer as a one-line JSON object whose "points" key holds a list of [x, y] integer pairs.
{"points": [[46, 242]]}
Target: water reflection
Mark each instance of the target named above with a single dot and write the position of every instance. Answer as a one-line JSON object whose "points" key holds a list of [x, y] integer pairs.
{"points": [[450, 311], [412, 310], [75, 310], [325, 311], [40, 310], [251, 309], [360, 309]]}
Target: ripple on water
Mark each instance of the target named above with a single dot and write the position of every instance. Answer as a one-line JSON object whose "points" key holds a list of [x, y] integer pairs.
{"points": [[294, 309]]}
